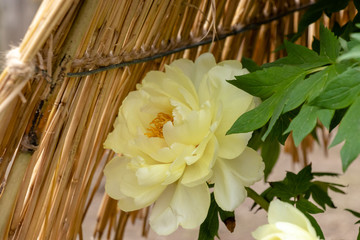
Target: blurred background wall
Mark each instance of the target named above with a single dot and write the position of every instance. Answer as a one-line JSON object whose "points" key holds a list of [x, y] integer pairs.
{"points": [[15, 17]]}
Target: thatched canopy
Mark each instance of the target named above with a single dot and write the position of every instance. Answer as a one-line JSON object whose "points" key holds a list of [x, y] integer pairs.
{"points": [[54, 123]]}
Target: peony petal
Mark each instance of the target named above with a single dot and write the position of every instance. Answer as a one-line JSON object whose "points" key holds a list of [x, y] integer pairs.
{"points": [[198, 152], [180, 205], [179, 112], [266, 232], [200, 171], [113, 179], [284, 212], [232, 101], [191, 131], [156, 148], [203, 64], [248, 167], [285, 223], [179, 76], [292, 230], [134, 118], [228, 190], [235, 102], [186, 66], [132, 114], [113, 139], [186, 86], [214, 86], [120, 139], [117, 175], [173, 84], [122, 181], [129, 204], [152, 174], [231, 146], [177, 167], [191, 204], [162, 219], [176, 170]]}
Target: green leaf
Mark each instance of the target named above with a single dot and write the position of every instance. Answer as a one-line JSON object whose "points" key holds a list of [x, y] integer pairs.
{"points": [[300, 182], [335, 6], [255, 118], [306, 120], [353, 42], [255, 141], [279, 128], [349, 131], [337, 29], [315, 11], [329, 44], [250, 65], [320, 174], [209, 228], [303, 123], [338, 116], [280, 190], [344, 31], [299, 56], [325, 116], [352, 49], [312, 86], [316, 226], [335, 189], [311, 15], [356, 214], [323, 78], [316, 45], [284, 94], [307, 206], [341, 91], [354, 53], [293, 185], [268, 81], [303, 89], [320, 195], [270, 151]]}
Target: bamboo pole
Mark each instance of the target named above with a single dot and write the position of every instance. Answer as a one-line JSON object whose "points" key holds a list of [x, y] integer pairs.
{"points": [[50, 14], [11, 191]]}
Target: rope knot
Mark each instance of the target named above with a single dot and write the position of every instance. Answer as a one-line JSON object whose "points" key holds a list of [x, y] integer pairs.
{"points": [[17, 67]]}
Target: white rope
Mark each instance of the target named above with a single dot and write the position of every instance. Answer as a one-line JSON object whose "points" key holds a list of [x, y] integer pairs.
{"points": [[20, 72], [16, 67]]}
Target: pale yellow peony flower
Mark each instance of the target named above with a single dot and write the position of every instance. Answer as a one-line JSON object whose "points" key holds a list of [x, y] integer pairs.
{"points": [[171, 134], [286, 222]]}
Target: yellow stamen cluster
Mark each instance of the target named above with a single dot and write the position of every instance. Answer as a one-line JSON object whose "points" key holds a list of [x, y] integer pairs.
{"points": [[156, 125]]}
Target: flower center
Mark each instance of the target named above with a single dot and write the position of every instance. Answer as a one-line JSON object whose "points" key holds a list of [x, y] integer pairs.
{"points": [[156, 126]]}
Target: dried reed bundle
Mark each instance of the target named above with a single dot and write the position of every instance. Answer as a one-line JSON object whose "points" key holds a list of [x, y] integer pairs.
{"points": [[63, 121]]}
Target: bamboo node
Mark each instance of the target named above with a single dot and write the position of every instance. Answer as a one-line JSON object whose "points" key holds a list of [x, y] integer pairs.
{"points": [[17, 67]]}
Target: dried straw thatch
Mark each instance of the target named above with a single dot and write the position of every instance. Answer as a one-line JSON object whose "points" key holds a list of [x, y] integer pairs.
{"points": [[53, 125]]}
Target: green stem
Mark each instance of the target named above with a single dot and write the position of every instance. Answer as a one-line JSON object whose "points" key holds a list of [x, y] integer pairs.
{"points": [[257, 198]]}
